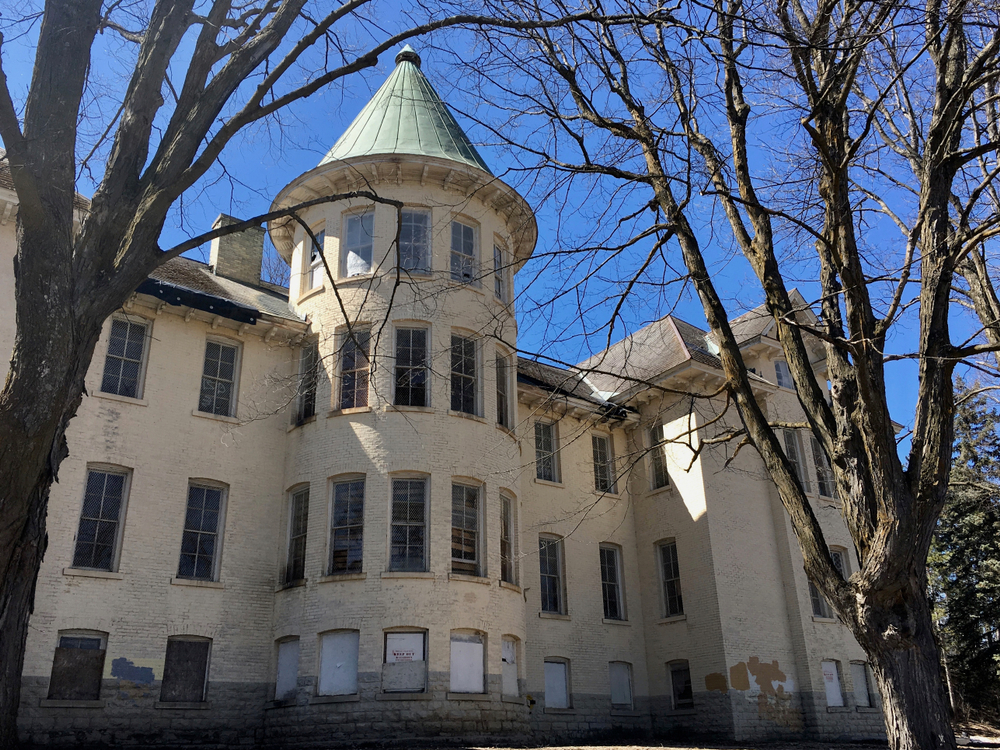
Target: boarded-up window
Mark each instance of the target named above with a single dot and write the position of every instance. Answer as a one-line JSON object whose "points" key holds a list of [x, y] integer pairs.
{"points": [[338, 663], [286, 684], [405, 668], [467, 665], [77, 668], [185, 670], [620, 673], [681, 689], [508, 652], [831, 682], [556, 684], [862, 689]]}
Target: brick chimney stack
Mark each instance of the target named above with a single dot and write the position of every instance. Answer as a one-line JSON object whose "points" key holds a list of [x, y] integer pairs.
{"points": [[237, 256]]}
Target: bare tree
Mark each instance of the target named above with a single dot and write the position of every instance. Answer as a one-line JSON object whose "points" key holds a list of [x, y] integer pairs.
{"points": [[776, 128]]}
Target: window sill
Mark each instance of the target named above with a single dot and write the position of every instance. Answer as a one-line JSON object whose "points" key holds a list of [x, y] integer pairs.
{"points": [[84, 573], [506, 431], [352, 698], [197, 584], [183, 706], [297, 425], [553, 616], [560, 710], [410, 409], [547, 482], [681, 712], [342, 577], [512, 699], [607, 493], [288, 585], [469, 579], [214, 417], [407, 574], [48, 703], [837, 709], [668, 620], [468, 696], [404, 697], [465, 415], [121, 399], [831, 620], [311, 293], [606, 621], [659, 490], [625, 712], [511, 587], [868, 709], [348, 412], [284, 703]]}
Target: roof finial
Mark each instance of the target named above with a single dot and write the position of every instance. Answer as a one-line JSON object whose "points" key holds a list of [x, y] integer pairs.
{"points": [[409, 55]]}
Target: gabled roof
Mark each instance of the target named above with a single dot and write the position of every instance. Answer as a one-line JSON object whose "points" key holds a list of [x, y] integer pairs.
{"points": [[556, 379], [406, 116]]}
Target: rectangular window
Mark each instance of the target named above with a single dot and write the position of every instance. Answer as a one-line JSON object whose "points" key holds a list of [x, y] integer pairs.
{"points": [[354, 369], [793, 450], [98, 536], [604, 464], [200, 542], [550, 554], [463, 374], [546, 466], [463, 252], [316, 268], [681, 689], [411, 367], [286, 684], [123, 364], [185, 670], [405, 667], [298, 521], [508, 655], [465, 530], [338, 663], [831, 681], [673, 603], [824, 473], [347, 527], [862, 688], [468, 665], [415, 241], [499, 274], [503, 392], [611, 585], [782, 374], [308, 378], [556, 684], [356, 249], [218, 380], [508, 540], [620, 674], [77, 667], [408, 538], [657, 459]]}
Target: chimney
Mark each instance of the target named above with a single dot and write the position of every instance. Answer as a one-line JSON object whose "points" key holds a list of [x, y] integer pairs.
{"points": [[237, 256]]}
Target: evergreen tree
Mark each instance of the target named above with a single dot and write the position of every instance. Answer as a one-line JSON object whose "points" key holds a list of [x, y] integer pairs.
{"points": [[965, 559]]}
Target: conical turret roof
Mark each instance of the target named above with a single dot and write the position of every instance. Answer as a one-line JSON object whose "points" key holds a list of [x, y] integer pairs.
{"points": [[406, 116]]}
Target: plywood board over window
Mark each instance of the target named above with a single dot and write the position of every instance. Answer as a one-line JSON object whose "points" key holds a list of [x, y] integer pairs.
{"points": [[556, 684], [286, 682], [508, 652], [338, 663], [467, 663], [185, 670], [77, 667], [405, 667]]}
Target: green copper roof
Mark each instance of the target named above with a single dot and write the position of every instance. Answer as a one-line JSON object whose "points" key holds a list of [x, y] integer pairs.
{"points": [[406, 116]]}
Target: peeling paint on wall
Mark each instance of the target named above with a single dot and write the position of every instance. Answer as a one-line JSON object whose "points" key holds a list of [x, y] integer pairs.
{"points": [[124, 669], [771, 690], [716, 681]]}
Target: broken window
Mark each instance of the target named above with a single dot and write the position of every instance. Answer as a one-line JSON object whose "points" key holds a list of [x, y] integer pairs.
{"points": [[673, 602], [546, 463], [338, 663], [405, 666], [286, 683], [411, 367], [681, 689], [125, 359], [308, 378], [824, 473], [218, 379], [508, 654], [557, 684], [464, 379], [200, 543], [78, 666], [468, 665], [550, 568], [185, 670], [611, 584], [408, 538], [620, 674], [658, 475], [316, 251], [356, 248], [298, 522], [347, 527], [354, 369], [831, 682], [99, 534], [604, 464], [465, 535], [508, 540], [415, 240], [463, 252]]}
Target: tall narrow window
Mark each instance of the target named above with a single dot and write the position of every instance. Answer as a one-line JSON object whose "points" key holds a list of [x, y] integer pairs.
{"points": [[185, 670], [604, 464], [415, 240], [347, 527], [831, 682], [408, 539], [286, 682], [508, 654], [546, 466], [463, 374], [200, 541], [218, 380], [468, 662], [298, 521], [782, 374], [657, 459], [465, 530], [338, 663], [550, 568], [123, 364], [820, 606], [354, 369], [316, 268], [556, 684], [98, 536], [356, 249], [793, 450], [463, 252], [503, 392], [620, 675], [77, 667], [411, 367], [500, 274], [824, 473], [308, 377], [681, 689], [508, 541], [611, 583], [673, 603]]}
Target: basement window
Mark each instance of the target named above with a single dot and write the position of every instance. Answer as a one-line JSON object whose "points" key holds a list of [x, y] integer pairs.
{"points": [[405, 666], [78, 666], [468, 662], [338, 662], [185, 670]]}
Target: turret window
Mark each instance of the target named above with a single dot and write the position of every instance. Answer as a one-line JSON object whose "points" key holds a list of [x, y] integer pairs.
{"points": [[298, 522], [411, 367], [465, 537], [463, 252], [354, 365], [464, 378], [415, 240], [500, 274], [308, 376], [359, 231], [408, 537], [503, 392], [347, 527], [316, 268]]}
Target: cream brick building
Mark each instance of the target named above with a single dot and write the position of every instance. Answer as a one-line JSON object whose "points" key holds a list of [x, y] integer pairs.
{"points": [[347, 510]]}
